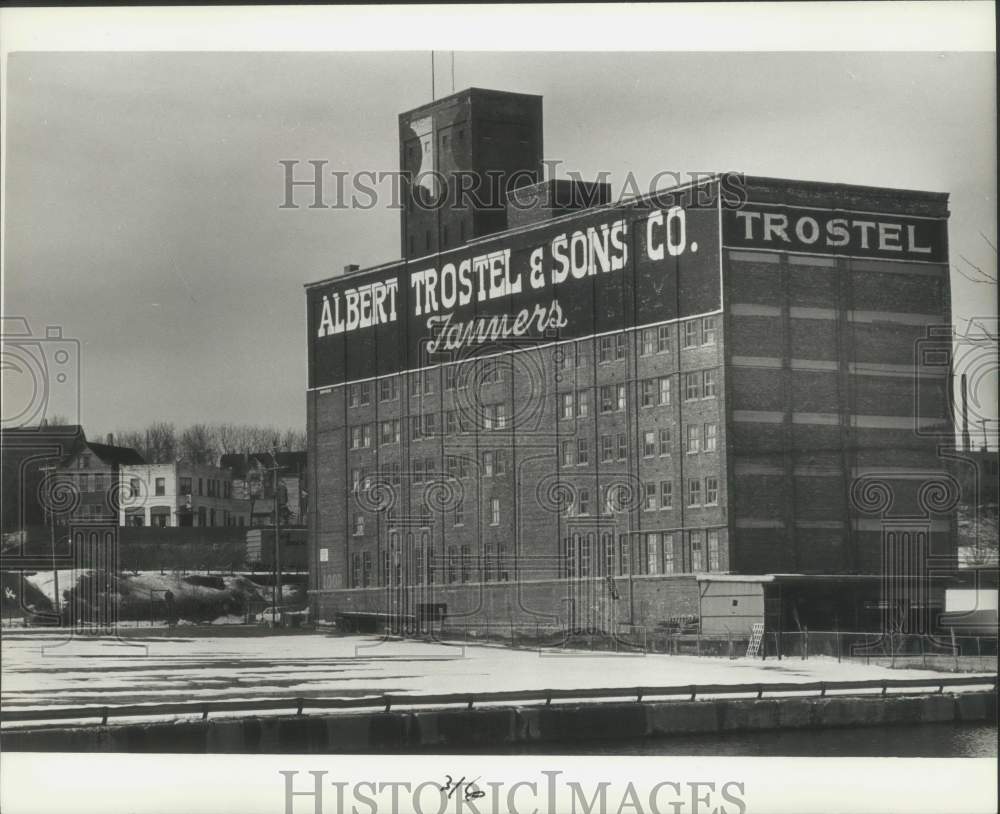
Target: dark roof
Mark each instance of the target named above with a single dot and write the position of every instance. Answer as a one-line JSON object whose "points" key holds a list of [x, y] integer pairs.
{"points": [[123, 456], [240, 463]]}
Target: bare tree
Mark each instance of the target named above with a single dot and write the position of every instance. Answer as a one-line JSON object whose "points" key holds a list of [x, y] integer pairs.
{"points": [[197, 444], [161, 443]]}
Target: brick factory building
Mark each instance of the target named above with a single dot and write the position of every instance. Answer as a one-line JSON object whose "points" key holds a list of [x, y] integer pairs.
{"points": [[570, 412]]}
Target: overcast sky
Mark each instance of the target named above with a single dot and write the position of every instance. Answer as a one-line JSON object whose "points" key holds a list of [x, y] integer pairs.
{"points": [[143, 189]]}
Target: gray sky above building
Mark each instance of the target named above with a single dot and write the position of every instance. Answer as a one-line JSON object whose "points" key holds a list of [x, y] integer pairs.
{"points": [[143, 189]]}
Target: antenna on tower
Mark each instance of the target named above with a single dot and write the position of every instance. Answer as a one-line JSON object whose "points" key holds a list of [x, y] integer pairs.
{"points": [[433, 97], [452, 71]]}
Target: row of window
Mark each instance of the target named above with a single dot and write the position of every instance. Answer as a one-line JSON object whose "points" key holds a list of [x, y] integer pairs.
{"points": [[610, 348], [655, 443], [655, 552], [656, 496], [489, 371], [654, 392], [460, 565], [490, 417], [424, 518], [614, 347]]}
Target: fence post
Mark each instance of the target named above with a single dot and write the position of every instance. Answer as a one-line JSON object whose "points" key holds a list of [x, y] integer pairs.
{"points": [[837, 633], [923, 651], [954, 648], [729, 637]]}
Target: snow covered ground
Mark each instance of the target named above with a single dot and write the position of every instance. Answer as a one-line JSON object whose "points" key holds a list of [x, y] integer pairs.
{"points": [[47, 669]]}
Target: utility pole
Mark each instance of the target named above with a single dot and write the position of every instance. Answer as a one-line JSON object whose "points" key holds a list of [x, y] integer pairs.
{"points": [[52, 529]]}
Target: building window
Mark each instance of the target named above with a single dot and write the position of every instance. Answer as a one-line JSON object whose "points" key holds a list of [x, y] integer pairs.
{"points": [[495, 511], [691, 334], [566, 356], [693, 439], [388, 389], [567, 406], [202, 514], [608, 548], [460, 512], [648, 342], [418, 470], [708, 381], [488, 464], [416, 429], [582, 452], [711, 491], [161, 487], [694, 492], [708, 331], [583, 403], [201, 487], [692, 386], [648, 393], [625, 554], [713, 549], [649, 496], [567, 453], [649, 444], [357, 475], [355, 570], [452, 564], [668, 553], [569, 556], [361, 436], [653, 552], [620, 347], [359, 524], [501, 462], [663, 339], [607, 449], [366, 569], [697, 553], [586, 544], [466, 563], [605, 349], [664, 391], [622, 446], [607, 398], [451, 422], [711, 436], [663, 439], [450, 377], [134, 485], [584, 501], [389, 432], [84, 483], [666, 494], [620, 394], [430, 424]]}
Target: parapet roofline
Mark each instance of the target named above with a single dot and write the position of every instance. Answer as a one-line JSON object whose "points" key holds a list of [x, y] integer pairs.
{"points": [[636, 201], [458, 95]]}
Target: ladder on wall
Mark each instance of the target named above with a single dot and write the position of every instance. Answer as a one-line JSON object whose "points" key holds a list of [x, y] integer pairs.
{"points": [[757, 634]]}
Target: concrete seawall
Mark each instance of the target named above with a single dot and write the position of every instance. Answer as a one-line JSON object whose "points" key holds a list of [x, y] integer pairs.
{"points": [[428, 730]]}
